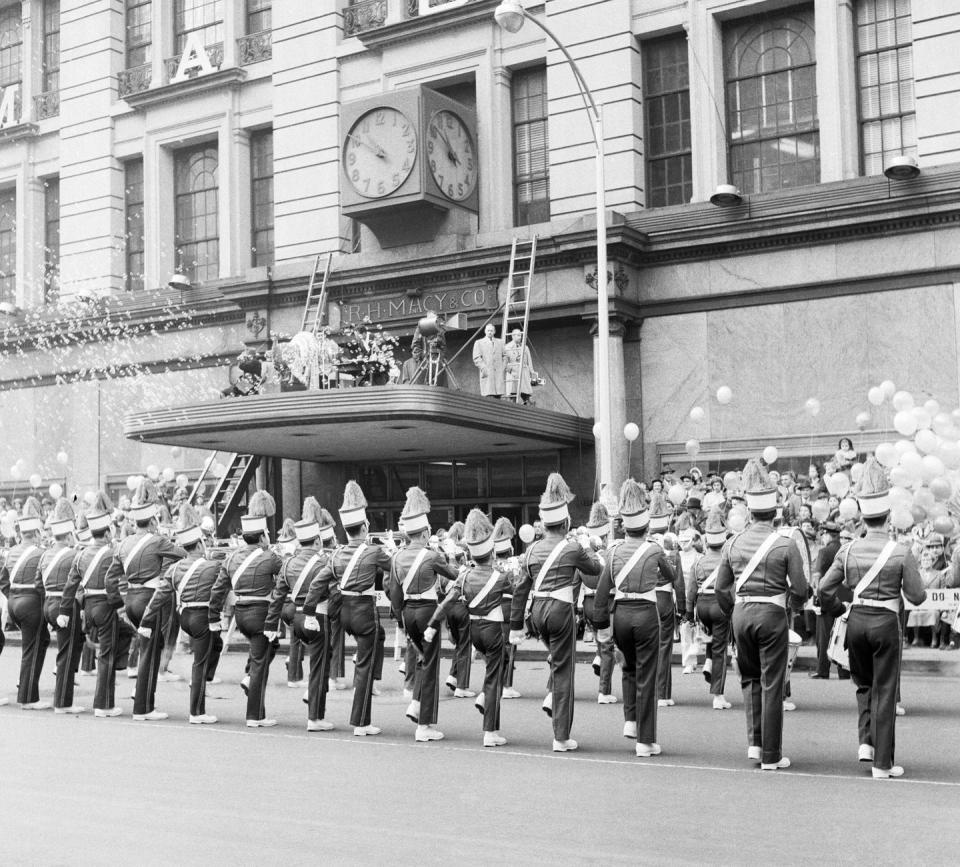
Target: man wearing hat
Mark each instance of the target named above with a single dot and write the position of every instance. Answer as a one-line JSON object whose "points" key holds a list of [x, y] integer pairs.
{"points": [[315, 537], [481, 589], [357, 566], [21, 583], [250, 572], [137, 566], [871, 574], [825, 558], [759, 569], [55, 566], [416, 576], [506, 564], [702, 605], [632, 571], [598, 527], [189, 583], [101, 601], [548, 575]]}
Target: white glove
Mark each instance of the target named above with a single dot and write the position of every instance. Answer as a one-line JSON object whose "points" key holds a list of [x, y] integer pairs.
{"points": [[605, 635], [429, 634], [311, 623], [145, 631], [63, 621], [215, 626], [270, 635], [517, 636]]}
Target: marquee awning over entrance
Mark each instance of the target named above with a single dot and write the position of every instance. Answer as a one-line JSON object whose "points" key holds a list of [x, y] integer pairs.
{"points": [[395, 423]]}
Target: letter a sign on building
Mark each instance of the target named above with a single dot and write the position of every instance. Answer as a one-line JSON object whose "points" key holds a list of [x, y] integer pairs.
{"points": [[194, 61], [9, 104]]}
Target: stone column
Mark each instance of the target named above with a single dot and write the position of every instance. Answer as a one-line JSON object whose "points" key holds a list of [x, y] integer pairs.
{"points": [[618, 408], [496, 176], [836, 91], [707, 108]]}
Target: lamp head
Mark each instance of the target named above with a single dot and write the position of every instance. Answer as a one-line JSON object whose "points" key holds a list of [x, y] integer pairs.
{"points": [[509, 15], [902, 168], [179, 281], [725, 196]]}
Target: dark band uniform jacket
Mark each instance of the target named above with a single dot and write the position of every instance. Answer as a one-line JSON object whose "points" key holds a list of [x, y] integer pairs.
{"points": [[371, 565], [147, 562], [652, 570], [197, 591], [782, 568], [562, 574], [256, 583], [97, 585]]}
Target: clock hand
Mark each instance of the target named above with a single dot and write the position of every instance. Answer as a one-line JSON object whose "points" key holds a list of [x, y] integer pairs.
{"points": [[377, 150], [451, 155]]}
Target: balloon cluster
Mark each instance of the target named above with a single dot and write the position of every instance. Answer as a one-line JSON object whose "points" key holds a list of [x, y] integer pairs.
{"points": [[924, 466]]}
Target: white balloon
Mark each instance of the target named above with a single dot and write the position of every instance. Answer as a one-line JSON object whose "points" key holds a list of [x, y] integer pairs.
{"points": [[932, 468], [905, 423], [904, 446], [176, 452], [62, 457], [902, 400], [90, 497], [932, 406], [132, 483], [923, 418], [888, 388], [631, 431], [15, 473], [697, 414], [36, 480], [168, 474], [770, 455], [812, 406], [886, 454], [875, 396], [182, 481], [153, 472], [526, 533], [692, 447], [55, 491], [596, 436], [724, 395], [927, 441]]}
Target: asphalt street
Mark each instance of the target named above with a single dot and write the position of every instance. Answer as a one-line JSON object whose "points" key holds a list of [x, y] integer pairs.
{"points": [[80, 790]]}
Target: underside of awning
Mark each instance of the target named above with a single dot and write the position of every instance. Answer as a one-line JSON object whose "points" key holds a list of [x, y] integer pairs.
{"points": [[369, 424]]}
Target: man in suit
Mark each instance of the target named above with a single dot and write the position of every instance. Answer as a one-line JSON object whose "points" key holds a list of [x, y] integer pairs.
{"points": [[488, 357]]}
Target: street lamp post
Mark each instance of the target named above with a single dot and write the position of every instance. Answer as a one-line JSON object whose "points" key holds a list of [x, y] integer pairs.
{"points": [[510, 15]]}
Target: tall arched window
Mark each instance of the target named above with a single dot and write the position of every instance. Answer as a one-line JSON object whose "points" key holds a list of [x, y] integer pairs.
{"points": [[197, 16], [197, 212], [8, 246], [772, 129]]}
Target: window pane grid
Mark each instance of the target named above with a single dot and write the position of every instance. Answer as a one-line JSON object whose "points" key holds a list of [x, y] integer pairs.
{"points": [[259, 15], [51, 45], [531, 161], [666, 91], [261, 188], [772, 124], [885, 73], [8, 245], [133, 213], [51, 239], [198, 16], [139, 32], [197, 212], [11, 40]]}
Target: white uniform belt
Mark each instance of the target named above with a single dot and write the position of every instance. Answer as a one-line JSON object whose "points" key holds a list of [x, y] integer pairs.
{"points": [[242, 600], [564, 594], [89, 593], [890, 604], [194, 605], [152, 584], [665, 588], [323, 608], [588, 592], [780, 599], [23, 586], [54, 593], [647, 595], [370, 592], [707, 592], [430, 595], [495, 616]]}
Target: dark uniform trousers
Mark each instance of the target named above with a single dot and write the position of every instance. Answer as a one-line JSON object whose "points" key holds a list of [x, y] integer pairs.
{"points": [[426, 681], [410, 658], [69, 648], [717, 625], [358, 616], [458, 622], [556, 624], [317, 647], [26, 612], [196, 623], [113, 647], [874, 642], [604, 649], [487, 637], [338, 651], [294, 656], [760, 633], [151, 649], [636, 632], [250, 618], [509, 650], [668, 625]]}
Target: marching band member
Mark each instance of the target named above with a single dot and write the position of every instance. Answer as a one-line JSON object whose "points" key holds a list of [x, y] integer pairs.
{"points": [[137, 566], [632, 573], [598, 526], [415, 576], [286, 547], [758, 568], [506, 564], [356, 566], [667, 594], [458, 623], [871, 574], [548, 575], [101, 603], [55, 566], [313, 532], [189, 583], [702, 605], [481, 588], [21, 583], [250, 571]]}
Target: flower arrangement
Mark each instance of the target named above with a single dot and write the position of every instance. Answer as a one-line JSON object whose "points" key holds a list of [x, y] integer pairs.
{"points": [[369, 351]]}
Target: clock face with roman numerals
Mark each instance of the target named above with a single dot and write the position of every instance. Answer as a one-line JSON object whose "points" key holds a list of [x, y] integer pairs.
{"points": [[379, 152], [451, 155]]}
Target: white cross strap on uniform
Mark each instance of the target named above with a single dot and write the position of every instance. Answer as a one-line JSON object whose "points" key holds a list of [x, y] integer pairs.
{"points": [[627, 567], [251, 558], [23, 559], [94, 563], [548, 564], [755, 560], [53, 563], [710, 583], [414, 569], [485, 590], [352, 564], [196, 564], [136, 549], [872, 573], [303, 576]]}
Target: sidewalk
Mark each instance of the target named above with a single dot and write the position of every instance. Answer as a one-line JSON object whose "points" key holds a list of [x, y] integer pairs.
{"points": [[916, 660]]}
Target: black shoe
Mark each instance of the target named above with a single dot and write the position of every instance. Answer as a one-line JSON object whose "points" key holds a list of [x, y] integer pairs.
{"points": [[815, 675]]}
